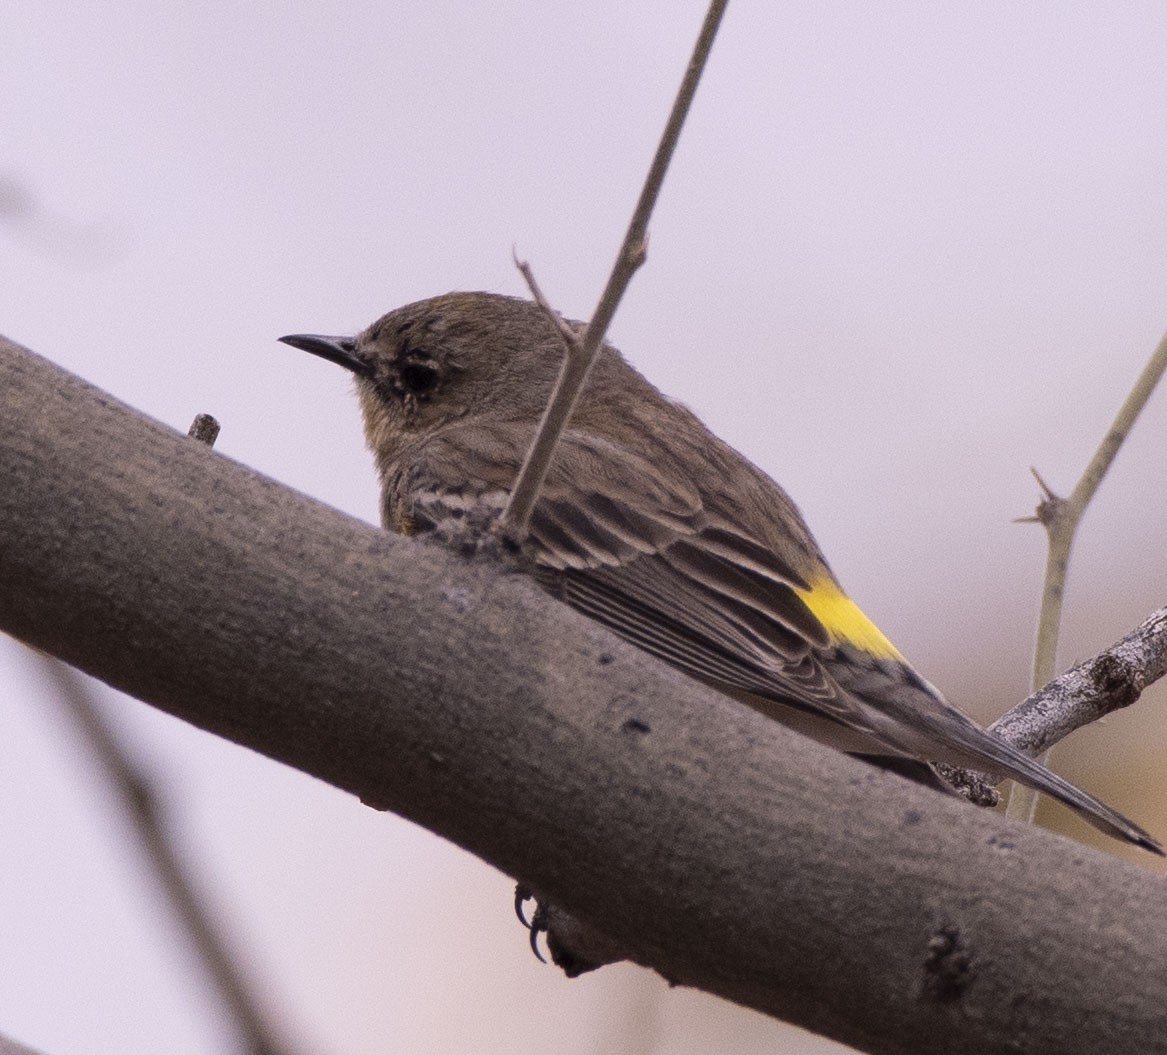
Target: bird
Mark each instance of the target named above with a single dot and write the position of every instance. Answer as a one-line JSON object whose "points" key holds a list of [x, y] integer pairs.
{"points": [[653, 526]]}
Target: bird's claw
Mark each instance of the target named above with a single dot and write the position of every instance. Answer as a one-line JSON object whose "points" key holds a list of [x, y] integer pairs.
{"points": [[537, 924]]}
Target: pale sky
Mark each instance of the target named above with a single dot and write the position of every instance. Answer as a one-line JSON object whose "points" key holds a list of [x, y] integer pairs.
{"points": [[902, 256]]}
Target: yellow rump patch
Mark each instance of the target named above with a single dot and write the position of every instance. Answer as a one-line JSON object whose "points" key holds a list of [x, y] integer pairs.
{"points": [[844, 619]]}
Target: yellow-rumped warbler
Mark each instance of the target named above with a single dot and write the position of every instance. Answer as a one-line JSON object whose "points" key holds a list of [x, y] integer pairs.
{"points": [[653, 526]]}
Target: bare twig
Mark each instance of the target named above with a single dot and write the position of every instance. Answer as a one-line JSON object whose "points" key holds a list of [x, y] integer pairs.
{"points": [[205, 429], [579, 356], [1061, 517], [141, 806], [570, 335]]}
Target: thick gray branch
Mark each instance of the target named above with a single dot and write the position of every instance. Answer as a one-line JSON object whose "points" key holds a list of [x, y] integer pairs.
{"points": [[711, 844]]}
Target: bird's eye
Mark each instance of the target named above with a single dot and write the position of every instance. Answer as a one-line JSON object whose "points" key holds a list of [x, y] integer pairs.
{"points": [[419, 378]]}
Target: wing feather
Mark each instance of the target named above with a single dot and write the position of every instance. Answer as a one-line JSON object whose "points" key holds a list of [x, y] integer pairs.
{"points": [[637, 550]]}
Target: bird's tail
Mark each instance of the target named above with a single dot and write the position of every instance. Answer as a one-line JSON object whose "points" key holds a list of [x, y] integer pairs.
{"points": [[911, 716], [999, 756]]}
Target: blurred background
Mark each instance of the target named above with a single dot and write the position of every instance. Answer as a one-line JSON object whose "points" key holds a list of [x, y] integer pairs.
{"points": [[905, 252]]}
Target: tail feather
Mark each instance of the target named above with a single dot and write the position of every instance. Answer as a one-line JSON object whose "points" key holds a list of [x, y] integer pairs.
{"points": [[1002, 756], [912, 718]]}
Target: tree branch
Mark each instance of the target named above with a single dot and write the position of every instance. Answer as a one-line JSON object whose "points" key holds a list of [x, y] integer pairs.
{"points": [[713, 845]]}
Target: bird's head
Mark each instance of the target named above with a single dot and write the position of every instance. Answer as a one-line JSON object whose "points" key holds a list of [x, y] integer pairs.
{"points": [[445, 360]]}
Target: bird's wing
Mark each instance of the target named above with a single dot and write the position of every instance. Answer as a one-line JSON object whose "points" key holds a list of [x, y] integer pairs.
{"points": [[638, 551]]}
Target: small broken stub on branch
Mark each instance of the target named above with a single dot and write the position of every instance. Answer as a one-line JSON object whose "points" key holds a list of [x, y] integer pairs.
{"points": [[205, 429]]}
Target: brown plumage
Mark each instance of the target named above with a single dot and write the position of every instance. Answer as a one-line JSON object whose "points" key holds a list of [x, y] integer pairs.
{"points": [[653, 526]]}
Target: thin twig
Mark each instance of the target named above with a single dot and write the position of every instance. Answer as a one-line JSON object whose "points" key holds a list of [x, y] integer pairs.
{"points": [[1061, 517], [138, 797], [570, 335], [515, 519]]}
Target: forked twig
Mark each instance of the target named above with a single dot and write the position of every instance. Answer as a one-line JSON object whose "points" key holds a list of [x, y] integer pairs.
{"points": [[580, 351], [1060, 517]]}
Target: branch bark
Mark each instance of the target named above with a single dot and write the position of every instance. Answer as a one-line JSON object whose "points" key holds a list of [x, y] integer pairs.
{"points": [[716, 847]]}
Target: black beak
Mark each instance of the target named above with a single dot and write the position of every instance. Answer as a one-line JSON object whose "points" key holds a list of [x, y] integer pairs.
{"points": [[339, 350]]}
